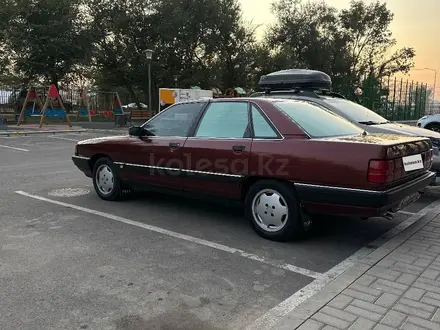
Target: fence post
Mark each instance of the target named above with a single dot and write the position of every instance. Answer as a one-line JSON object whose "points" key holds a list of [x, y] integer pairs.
{"points": [[394, 100], [406, 100], [399, 108], [417, 104], [388, 95]]}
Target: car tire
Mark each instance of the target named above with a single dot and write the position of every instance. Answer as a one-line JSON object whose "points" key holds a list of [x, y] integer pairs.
{"points": [[106, 180], [433, 127], [281, 205]]}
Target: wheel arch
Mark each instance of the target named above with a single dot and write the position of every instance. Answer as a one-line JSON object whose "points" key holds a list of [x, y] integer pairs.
{"points": [[431, 123], [249, 181], [94, 159]]}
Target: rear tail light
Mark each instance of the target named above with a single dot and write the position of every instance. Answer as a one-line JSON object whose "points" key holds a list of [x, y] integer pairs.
{"points": [[381, 171], [384, 171], [429, 158]]}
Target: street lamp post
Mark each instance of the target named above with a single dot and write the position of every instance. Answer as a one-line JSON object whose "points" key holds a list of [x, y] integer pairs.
{"points": [[149, 56]]}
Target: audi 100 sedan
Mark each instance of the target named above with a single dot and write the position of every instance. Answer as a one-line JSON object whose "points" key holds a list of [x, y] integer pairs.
{"points": [[285, 160]]}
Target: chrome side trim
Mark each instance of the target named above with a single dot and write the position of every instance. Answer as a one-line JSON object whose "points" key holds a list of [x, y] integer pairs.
{"points": [[356, 190], [213, 173], [306, 185], [179, 170], [81, 157]]}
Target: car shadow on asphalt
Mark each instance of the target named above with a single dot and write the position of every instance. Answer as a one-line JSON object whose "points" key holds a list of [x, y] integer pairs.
{"points": [[351, 229]]}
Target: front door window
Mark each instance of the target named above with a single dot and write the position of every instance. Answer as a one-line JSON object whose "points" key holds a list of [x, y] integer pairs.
{"points": [[174, 121]]}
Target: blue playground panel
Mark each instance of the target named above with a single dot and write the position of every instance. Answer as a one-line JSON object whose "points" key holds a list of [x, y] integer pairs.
{"points": [[117, 111], [28, 112], [55, 113], [84, 112]]}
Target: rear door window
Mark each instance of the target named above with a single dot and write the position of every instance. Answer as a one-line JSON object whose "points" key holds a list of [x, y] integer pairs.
{"points": [[316, 121], [228, 120], [262, 128]]}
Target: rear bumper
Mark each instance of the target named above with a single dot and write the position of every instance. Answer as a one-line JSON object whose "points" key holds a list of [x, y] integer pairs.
{"points": [[83, 165], [337, 200]]}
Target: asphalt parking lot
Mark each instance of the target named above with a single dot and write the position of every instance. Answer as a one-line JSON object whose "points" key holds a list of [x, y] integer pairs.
{"points": [[72, 261]]}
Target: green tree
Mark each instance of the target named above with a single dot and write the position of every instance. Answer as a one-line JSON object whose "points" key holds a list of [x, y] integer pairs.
{"points": [[347, 44], [367, 28], [47, 38], [307, 36]]}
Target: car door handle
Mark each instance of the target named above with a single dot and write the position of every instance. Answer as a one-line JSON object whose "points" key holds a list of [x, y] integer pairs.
{"points": [[238, 148], [174, 145]]}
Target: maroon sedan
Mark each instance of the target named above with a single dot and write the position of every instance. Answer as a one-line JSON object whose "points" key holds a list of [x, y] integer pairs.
{"points": [[286, 160]]}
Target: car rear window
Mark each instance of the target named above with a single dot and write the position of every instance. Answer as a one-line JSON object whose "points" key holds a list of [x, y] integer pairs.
{"points": [[355, 112], [317, 121]]}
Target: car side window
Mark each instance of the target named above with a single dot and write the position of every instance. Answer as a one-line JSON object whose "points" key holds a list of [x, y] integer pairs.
{"points": [[174, 121], [224, 120], [262, 128]]}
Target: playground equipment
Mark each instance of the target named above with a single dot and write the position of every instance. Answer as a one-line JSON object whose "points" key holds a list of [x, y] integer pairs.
{"points": [[235, 92], [106, 103], [116, 107], [216, 92], [32, 106], [57, 109], [84, 107]]}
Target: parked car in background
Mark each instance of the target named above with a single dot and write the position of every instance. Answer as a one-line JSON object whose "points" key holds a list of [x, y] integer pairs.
{"points": [[284, 160], [316, 90], [135, 106], [431, 122]]}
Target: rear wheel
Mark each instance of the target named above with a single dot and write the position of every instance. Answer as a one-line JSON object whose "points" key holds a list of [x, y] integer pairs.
{"points": [[106, 181], [433, 127], [274, 211]]}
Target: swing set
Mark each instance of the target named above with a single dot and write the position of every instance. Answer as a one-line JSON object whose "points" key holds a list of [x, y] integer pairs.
{"points": [[53, 107], [84, 107], [105, 103]]}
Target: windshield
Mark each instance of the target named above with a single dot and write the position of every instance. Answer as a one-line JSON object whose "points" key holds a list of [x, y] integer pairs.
{"points": [[356, 112], [316, 121]]}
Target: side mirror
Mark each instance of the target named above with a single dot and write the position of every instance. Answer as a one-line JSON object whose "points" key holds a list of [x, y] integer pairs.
{"points": [[136, 131]]}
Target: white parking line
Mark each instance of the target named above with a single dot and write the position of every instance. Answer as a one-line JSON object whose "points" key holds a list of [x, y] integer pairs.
{"points": [[273, 316], [221, 247], [13, 148]]}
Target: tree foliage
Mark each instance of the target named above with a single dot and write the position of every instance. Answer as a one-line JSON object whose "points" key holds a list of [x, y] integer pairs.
{"points": [[47, 38], [195, 42]]}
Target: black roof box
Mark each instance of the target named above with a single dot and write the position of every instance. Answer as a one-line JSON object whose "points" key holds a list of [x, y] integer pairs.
{"points": [[294, 79]]}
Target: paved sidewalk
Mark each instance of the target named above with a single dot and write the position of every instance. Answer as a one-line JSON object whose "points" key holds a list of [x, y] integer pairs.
{"points": [[399, 288]]}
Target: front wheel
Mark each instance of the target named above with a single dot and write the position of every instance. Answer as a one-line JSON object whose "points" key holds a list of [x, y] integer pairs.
{"points": [[274, 211], [106, 181]]}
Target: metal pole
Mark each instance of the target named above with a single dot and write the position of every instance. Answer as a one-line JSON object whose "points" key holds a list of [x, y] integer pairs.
{"points": [[149, 90]]}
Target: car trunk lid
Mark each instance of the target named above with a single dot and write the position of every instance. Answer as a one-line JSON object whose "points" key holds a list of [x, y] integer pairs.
{"points": [[401, 158]]}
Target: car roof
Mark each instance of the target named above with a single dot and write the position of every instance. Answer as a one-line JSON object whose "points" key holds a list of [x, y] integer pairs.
{"points": [[240, 99]]}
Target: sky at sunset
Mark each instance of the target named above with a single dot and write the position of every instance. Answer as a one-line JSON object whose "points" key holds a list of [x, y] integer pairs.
{"points": [[416, 24]]}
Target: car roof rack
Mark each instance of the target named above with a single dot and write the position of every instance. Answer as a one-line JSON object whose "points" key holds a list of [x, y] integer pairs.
{"points": [[299, 81]]}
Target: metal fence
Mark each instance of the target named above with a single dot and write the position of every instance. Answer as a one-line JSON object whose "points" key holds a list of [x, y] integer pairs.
{"points": [[392, 98], [99, 101]]}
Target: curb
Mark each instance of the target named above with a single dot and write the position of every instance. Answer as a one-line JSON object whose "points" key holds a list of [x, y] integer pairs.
{"points": [[387, 243], [9, 133]]}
